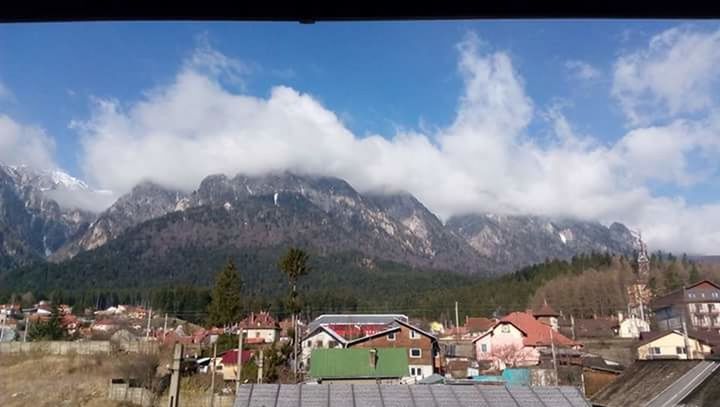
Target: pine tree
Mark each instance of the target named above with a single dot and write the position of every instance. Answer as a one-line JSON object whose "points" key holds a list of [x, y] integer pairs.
{"points": [[51, 330], [225, 306], [294, 265], [694, 274]]}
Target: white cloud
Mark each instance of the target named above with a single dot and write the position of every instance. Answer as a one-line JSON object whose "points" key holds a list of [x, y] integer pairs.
{"points": [[5, 93], [483, 161], [676, 74], [25, 145], [582, 70]]}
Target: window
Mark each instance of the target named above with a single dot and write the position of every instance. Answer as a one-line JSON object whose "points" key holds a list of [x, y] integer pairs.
{"points": [[415, 352], [506, 329], [483, 348], [257, 334], [309, 344], [655, 350], [711, 307], [698, 307], [391, 336], [414, 334], [332, 344], [680, 350]]}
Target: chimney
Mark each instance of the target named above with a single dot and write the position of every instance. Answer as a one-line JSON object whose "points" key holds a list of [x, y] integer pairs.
{"points": [[373, 358]]}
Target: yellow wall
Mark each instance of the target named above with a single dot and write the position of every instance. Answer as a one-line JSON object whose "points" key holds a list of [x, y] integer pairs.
{"points": [[668, 345]]}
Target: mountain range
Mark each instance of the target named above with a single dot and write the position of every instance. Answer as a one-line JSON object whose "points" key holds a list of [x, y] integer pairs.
{"points": [[242, 214]]}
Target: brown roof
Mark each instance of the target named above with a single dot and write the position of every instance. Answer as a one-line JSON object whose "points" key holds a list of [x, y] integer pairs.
{"points": [[545, 311], [678, 296], [595, 328], [707, 337], [478, 324]]}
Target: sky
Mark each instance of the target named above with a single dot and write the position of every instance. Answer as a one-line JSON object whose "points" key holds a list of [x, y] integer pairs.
{"points": [[600, 120]]}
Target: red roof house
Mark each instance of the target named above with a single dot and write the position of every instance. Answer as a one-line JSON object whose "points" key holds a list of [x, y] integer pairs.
{"points": [[515, 340]]}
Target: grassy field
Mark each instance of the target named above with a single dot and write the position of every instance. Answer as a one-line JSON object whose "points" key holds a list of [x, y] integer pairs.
{"points": [[45, 380]]}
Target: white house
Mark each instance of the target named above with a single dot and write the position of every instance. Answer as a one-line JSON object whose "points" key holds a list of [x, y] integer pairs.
{"points": [[260, 328], [632, 327], [320, 337]]}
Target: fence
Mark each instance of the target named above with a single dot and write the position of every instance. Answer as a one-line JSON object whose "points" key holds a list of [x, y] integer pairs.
{"points": [[200, 400], [120, 390], [57, 347]]}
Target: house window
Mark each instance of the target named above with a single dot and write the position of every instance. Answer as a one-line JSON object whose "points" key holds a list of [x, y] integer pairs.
{"points": [[414, 334], [711, 307], [309, 344], [506, 329], [415, 352], [391, 336], [680, 350], [655, 350], [257, 334], [483, 348], [698, 307], [332, 344]]}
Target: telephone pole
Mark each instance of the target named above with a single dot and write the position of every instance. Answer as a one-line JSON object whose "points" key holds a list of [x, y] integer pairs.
{"points": [[174, 394], [239, 369], [165, 327], [552, 347], [147, 335], [457, 320]]}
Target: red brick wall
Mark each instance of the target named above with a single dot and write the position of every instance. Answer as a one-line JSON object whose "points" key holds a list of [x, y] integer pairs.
{"points": [[402, 340]]}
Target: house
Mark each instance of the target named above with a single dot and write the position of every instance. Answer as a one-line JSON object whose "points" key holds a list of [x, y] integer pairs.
{"points": [[632, 327], [229, 362], [666, 383], [359, 365], [516, 339], [671, 345], [321, 337], [260, 328], [478, 325], [698, 304], [547, 315], [437, 395], [104, 325], [422, 347], [322, 332]]}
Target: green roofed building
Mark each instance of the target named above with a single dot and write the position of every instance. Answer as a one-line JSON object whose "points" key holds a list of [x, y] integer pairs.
{"points": [[359, 365]]}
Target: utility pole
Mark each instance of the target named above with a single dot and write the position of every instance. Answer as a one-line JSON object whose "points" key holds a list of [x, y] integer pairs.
{"points": [[688, 351], [457, 320], [260, 367], [174, 394], [2, 327], [239, 368], [552, 347], [165, 328], [572, 324], [295, 347], [212, 378], [27, 325], [147, 335]]}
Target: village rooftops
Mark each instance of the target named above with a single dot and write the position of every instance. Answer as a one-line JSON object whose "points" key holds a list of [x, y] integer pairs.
{"points": [[545, 311], [230, 357], [260, 320], [355, 319], [438, 395], [478, 324], [535, 333]]}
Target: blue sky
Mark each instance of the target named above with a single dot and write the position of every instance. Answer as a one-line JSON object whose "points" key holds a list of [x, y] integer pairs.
{"points": [[403, 82]]}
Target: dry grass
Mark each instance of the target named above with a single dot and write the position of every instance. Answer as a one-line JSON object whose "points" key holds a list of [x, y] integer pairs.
{"points": [[46, 380]]}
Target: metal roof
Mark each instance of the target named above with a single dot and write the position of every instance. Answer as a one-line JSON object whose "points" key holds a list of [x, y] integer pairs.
{"points": [[326, 319], [399, 395], [675, 393], [355, 363]]}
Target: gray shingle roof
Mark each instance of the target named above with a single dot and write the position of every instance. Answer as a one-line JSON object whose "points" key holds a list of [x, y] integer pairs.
{"points": [[354, 319], [397, 395]]}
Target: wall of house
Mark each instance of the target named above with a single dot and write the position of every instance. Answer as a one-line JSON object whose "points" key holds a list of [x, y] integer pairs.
{"points": [[403, 340], [668, 345], [320, 340], [631, 328], [269, 335]]}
